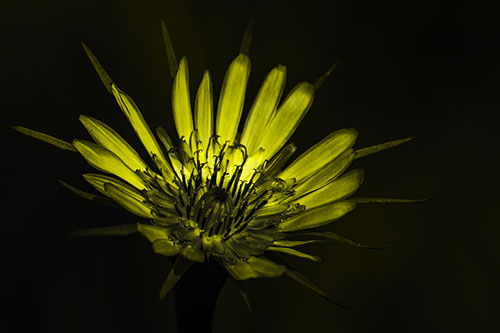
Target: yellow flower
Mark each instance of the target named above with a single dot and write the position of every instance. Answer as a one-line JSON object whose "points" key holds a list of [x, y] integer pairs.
{"points": [[220, 194]]}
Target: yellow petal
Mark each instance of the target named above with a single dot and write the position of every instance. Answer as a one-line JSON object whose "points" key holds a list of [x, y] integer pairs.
{"points": [[320, 154], [232, 98], [112, 141], [342, 188], [326, 174], [255, 267], [312, 218], [204, 110], [181, 103], [263, 108], [98, 181], [128, 202], [152, 232], [137, 121], [287, 118], [104, 160]]}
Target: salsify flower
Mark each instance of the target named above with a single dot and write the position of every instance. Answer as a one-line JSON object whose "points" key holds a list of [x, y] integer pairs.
{"points": [[219, 194]]}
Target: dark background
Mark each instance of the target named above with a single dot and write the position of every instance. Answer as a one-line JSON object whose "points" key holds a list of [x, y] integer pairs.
{"points": [[409, 69]]}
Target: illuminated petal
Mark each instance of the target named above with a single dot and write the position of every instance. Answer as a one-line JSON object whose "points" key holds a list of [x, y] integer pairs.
{"points": [[130, 203], [104, 160], [312, 218], [112, 141], [204, 110], [232, 98], [138, 123], [287, 118], [181, 103], [98, 181], [326, 174], [342, 188], [263, 108], [319, 155]]}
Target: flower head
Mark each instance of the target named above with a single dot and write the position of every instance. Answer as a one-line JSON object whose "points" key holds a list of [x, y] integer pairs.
{"points": [[219, 194]]}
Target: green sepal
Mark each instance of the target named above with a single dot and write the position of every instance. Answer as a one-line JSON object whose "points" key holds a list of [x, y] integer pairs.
{"points": [[387, 200], [335, 237], [180, 267], [383, 146], [121, 230], [169, 48], [61, 144], [90, 196], [105, 78], [300, 278], [242, 290]]}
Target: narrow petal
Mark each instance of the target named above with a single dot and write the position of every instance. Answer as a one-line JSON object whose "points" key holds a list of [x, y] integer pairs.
{"points": [[61, 144], [312, 218], [255, 267], [204, 110], [263, 108], [181, 102], [104, 160], [180, 267], [130, 203], [294, 252], [377, 148], [327, 174], [140, 126], [232, 98], [319, 155], [287, 118], [342, 188], [112, 141]]}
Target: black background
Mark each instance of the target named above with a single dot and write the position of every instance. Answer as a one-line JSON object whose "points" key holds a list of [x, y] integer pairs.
{"points": [[409, 69]]}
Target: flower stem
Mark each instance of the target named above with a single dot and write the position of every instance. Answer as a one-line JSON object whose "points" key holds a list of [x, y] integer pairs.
{"points": [[196, 297]]}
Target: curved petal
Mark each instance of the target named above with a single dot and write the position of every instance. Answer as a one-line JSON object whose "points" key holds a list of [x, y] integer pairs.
{"points": [[320, 154], [112, 141], [140, 126], [232, 98], [327, 174], [264, 106], [130, 203], [255, 267], [336, 190], [312, 218], [287, 118], [204, 110]]}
